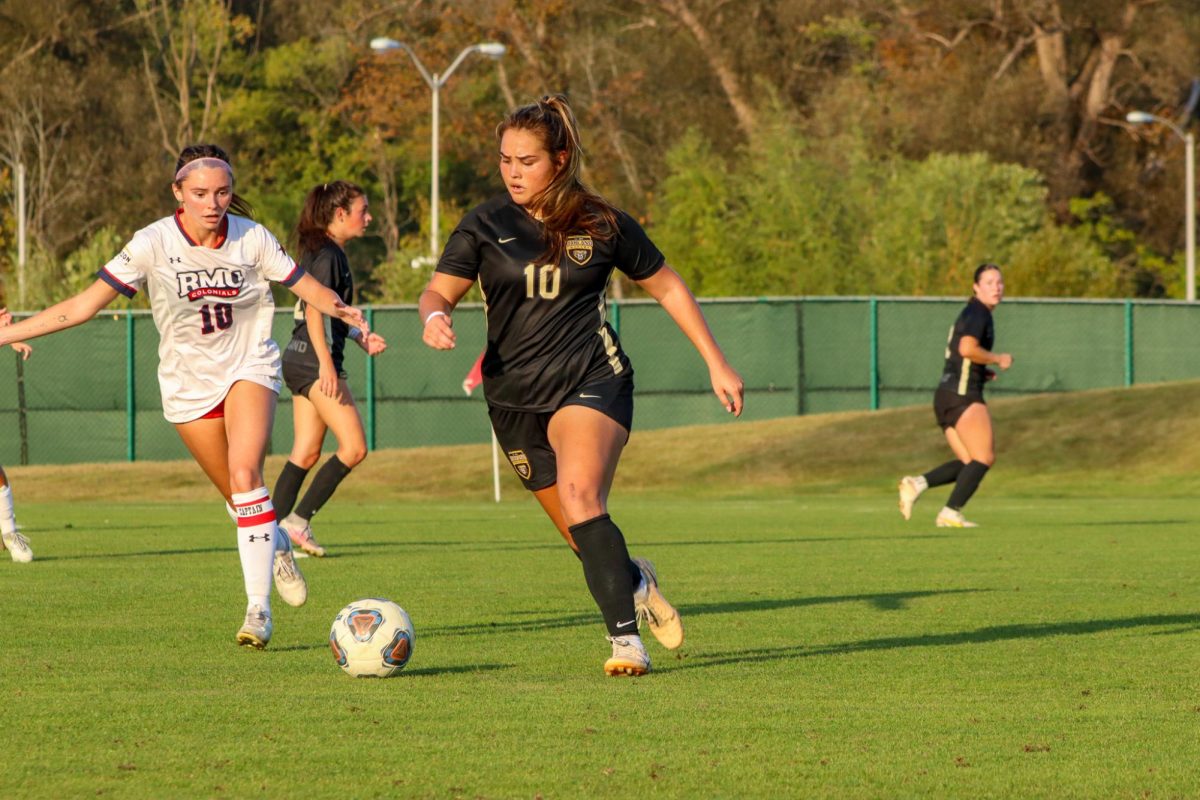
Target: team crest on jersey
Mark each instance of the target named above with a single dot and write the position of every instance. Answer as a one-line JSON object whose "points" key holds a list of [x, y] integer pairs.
{"points": [[520, 463], [579, 249], [219, 282]]}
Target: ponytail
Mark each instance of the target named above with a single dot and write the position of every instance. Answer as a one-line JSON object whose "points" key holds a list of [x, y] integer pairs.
{"points": [[312, 229]]}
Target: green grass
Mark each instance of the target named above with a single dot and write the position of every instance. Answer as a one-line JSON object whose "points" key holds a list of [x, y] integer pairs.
{"points": [[833, 649]]}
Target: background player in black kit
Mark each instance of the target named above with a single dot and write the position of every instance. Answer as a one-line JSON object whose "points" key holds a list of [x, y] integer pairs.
{"points": [[558, 386], [333, 214], [958, 403]]}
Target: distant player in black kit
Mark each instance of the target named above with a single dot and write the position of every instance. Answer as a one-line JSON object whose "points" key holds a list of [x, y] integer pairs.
{"points": [[958, 403], [559, 387], [333, 214]]}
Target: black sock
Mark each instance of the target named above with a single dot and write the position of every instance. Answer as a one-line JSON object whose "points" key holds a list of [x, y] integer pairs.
{"points": [[605, 568], [967, 483], [287, 487], [946, 473], [323, 486], [635, 573]]}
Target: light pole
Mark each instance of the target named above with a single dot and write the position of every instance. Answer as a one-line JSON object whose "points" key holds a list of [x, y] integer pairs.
{"points": [[1189, 147], [435, 81], [18, 167]]}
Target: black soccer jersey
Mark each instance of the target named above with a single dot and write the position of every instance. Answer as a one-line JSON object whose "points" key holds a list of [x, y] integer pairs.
{"points": [[547, 330], [960, 375], [330, 266]]}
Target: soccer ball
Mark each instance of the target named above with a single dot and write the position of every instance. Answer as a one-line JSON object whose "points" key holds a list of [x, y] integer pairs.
{"points": [[371, 638]]}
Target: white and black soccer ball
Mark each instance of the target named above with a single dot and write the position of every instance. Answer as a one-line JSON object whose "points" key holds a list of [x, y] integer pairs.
{"points": [[371, 638]]}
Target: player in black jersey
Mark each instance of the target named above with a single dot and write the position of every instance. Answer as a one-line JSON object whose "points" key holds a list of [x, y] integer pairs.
{"points": [[959, 406], [558, 385], [333, 214]]}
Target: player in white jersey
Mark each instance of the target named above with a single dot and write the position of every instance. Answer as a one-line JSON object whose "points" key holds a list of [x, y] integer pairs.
{"points": [[11, 538], [206, 273]]}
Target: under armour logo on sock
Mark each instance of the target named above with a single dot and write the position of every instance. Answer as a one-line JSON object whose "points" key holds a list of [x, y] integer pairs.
{"points": [[266, 537]]}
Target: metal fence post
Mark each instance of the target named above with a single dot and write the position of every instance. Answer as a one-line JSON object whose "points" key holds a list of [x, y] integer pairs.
{"points": [[616, 317], [874, 314], [1129, 343], [22, 419], [370, 388], [130, 389]]}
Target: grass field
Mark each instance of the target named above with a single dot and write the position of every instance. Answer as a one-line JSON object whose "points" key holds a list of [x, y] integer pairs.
{"points": [[833, 649]]}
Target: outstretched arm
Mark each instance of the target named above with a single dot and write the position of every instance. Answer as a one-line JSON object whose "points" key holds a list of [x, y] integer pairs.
{"points": [[60, 316], [326, 300], [673, 295]]}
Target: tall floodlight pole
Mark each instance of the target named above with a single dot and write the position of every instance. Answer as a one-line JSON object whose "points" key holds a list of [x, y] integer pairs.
{"points": [[1189, 200], [435, 82], [18, 168]]}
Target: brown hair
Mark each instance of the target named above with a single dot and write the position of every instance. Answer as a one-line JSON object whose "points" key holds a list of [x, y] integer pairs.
{"points": [[319, 207], [192, 152], [567, 204]]}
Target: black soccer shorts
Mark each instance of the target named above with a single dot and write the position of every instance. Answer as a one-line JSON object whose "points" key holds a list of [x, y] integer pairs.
{"points": [[524, 434]]}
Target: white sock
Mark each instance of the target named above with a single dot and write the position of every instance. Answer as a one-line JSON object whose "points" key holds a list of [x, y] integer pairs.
{"points": [[256, 529], [8, 521], [921, 483], [231, 512]]}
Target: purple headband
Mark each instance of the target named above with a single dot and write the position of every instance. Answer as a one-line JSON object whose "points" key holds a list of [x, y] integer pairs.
{"points": [[208, 162]]}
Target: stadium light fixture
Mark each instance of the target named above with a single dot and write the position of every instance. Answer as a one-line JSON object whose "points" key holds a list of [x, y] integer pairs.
{"points": [[435, 81], [1189, 200]]}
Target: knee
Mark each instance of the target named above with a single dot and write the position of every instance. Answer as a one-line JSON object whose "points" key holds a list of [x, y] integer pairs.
{"points": [[243, 479], [579, 502], [352, 456], [305, 461], [988, 459]]}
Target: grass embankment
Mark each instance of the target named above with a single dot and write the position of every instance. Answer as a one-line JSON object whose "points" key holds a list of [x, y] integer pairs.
{"points": [[1132, 441]]}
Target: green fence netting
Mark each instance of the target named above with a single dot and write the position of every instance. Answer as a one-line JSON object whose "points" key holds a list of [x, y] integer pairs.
{"points": [[91, 393]]}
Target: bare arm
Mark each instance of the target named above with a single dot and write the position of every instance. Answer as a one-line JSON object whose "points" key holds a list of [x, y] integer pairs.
{"points": [[438, 300], [326, 301], [673, 295], [970, 349], [314, 322], [60, 316]]}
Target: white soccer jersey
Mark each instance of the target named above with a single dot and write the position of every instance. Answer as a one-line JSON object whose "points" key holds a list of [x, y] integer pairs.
{"points": [[212, 308]]}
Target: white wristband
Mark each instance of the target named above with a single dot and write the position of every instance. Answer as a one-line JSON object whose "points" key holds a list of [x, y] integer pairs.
{"points": [[433, 314]]}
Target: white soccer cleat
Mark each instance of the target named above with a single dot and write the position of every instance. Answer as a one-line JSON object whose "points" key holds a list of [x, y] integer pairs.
{"points": [[17, 547], [910, 490], [629, 657], [949, 518], [256, 631], [300, 532], [288, 581], [650, 605]]}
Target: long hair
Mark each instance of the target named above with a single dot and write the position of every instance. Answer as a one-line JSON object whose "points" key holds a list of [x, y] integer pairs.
{"points": [[192, 152], [567, 204], [319, 206]]}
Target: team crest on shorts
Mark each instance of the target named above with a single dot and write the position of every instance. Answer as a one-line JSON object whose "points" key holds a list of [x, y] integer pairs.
{"points": [[520, 463], [579, 249]]}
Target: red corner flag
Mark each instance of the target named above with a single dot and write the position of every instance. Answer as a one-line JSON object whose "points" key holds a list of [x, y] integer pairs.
{"points": [[474, 377]]}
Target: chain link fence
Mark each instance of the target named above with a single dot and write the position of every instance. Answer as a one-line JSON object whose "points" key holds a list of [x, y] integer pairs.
{"points": [[91, 394]]}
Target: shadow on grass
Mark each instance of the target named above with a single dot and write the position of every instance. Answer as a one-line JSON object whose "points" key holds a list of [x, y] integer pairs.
{"points": [[426, 672], [892, 601], [988, 635], [197, 551], [1119, 522]]}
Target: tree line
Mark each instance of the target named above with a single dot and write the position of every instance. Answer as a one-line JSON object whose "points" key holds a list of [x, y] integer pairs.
{"points": [[770, 148]]}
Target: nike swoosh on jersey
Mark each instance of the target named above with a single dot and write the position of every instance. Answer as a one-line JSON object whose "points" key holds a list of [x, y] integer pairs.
{"points": [[589, 396], [506, 241]]}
